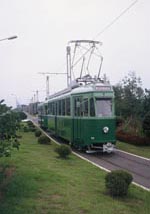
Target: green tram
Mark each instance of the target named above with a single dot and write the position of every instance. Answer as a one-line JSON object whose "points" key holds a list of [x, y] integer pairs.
{"points": [[82, 115]]}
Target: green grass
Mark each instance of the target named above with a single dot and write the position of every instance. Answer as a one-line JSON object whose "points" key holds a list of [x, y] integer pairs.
{"points": [[137, 150], [45, 184]]}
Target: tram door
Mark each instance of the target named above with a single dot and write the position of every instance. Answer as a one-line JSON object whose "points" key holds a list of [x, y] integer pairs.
{"points": [[77, 120]]}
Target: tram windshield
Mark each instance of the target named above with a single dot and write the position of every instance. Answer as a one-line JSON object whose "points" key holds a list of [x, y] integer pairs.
{"points": [[103, 107]]}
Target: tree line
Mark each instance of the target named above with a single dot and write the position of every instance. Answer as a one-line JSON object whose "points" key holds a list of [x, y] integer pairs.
{"points": [[133, 102], [9, 124]]}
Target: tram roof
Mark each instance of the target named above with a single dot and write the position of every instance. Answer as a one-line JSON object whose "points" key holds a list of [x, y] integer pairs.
{"points": [[99, 87]]}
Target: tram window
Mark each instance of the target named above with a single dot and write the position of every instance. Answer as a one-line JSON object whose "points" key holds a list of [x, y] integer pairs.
{"points": [[56, 111], [53, 108], [92, 108], [68, 106], [85, 107], [40, 110], [103, 107], [59, 107], [50, 108], [63, 107], [45, 109], [77, 106]]}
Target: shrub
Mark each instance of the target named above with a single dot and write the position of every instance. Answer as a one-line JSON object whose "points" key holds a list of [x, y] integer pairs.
{"points": [[132, 139], [146, 125], [117, 182], [38, 133], [43, 139], [30, 123], [119, 121], [22, 115], [63, 151], [32, 129], [2, 175], [25, 129]]}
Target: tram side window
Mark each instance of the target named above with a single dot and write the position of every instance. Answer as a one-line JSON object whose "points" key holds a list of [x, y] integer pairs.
{"points": [[68, 106], [92, 108], [39, 110], [85, 107], [63, 107], [50, 108], [59, 108], [77, 106], [56, 108], [53, 108], [45, 109]]}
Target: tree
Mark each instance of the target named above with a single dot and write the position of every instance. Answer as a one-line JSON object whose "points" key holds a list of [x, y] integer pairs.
{"points": [[146, 102], [129, 96], [146, 124], [118, 89], [9, 123]]}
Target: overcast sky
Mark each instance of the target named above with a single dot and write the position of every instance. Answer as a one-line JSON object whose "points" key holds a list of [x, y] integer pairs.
{"points": [[44, 27]]}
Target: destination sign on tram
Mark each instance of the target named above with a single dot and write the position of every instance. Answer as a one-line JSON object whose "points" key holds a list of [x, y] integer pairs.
{"points": [[103, 88]]}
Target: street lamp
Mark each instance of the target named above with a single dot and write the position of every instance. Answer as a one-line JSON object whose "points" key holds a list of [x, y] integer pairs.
{"points": [[9, 38]]}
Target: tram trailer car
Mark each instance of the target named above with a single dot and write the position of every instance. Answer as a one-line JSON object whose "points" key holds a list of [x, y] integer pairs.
{"points": [[84, 116]]}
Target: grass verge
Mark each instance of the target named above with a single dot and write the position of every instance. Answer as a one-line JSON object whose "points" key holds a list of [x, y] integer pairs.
{"points": [[143, 151], [45, 184]]}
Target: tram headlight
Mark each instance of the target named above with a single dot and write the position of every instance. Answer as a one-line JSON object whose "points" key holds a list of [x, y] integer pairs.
{"points": [[105, 129]]}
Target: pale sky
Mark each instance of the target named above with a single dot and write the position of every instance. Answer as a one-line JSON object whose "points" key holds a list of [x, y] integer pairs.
{"points": [[44, 28]]}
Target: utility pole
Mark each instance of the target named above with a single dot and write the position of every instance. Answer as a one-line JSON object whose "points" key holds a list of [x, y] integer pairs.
{"points": [[69, 71], [36, 96], [47, 80], [47, 87]]}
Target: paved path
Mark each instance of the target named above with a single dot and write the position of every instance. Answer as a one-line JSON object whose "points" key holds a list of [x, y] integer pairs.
{"points": [[138, 167]]}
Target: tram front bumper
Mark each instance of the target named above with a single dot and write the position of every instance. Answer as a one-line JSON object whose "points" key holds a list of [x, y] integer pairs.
{"points": [[108, 147]]}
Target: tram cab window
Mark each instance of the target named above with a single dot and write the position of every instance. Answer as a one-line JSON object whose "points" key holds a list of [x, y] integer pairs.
{"points": [[92, 107], [103, 107], [68, 106]]}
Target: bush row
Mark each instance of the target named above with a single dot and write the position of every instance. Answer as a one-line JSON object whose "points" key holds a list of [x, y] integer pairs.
{"points": [[132, 139], [43, 139], [117, 182]]}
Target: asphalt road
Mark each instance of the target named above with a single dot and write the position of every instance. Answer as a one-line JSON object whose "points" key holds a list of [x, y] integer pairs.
{"points": [[138, 167]]}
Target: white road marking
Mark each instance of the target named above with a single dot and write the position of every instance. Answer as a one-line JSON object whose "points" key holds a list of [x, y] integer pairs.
{"points": [[133, 154]]}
